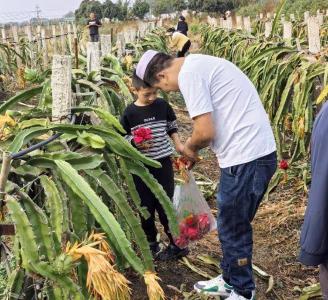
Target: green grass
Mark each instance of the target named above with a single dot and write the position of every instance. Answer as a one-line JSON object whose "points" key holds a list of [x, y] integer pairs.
{"points": [[3, 275]]}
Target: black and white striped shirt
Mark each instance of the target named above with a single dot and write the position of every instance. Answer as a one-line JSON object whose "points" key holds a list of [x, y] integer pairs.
{"points": [[160, 118]]}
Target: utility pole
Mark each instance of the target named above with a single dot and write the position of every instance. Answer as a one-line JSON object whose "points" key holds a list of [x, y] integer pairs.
{"points": [[38, 13]]}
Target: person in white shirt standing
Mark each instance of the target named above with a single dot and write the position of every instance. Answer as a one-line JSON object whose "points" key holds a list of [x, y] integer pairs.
{"points": [[228, 115]]}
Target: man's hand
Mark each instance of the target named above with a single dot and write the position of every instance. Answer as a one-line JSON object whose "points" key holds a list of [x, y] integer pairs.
{"points": [[190, 154]]}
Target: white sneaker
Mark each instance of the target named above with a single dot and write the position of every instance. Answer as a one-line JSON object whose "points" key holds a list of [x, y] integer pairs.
{"points": [[214, 287], [234, 296]]}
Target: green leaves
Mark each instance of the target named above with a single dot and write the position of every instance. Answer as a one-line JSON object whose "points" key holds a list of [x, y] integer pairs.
{"points": [[34, 76], [54, 204], [118, 196], [311, 291], [33, 122], [77, 160], [21, 97], [25, 136], [108, 119], [104, 217], [94, 87], [277, 17], [285, 79], [124, 90], [24, 231], [114, 63], [42, 231], [90, 139]]}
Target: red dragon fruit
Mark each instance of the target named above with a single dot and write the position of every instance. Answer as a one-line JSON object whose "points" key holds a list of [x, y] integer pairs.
{"points": [[142, 135], [193, 227]]}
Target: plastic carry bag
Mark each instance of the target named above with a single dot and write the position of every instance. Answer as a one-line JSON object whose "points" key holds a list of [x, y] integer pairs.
{"points": [[194, 216]]}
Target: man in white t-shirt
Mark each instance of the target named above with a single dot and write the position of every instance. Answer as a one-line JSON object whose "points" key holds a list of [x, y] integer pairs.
{"points": [[228, 116]]}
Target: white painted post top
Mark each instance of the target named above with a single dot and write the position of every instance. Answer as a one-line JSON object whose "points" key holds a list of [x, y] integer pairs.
{"points": [[314, 35]]}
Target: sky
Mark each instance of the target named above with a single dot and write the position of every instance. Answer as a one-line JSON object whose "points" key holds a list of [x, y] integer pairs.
{"points": [[18, 10]]}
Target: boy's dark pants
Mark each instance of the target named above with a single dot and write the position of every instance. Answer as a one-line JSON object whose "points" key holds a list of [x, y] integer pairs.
{"points": [[165, 177], [241, 190], [94, 38]]}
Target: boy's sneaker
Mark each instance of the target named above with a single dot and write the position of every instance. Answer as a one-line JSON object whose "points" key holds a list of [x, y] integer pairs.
{"points": [[172, 252], [234, 296], [154, 248], [214, 287]]}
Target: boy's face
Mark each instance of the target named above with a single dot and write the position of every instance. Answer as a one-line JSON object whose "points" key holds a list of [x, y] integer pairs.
{"points": [[146, 95], [92, 16]]}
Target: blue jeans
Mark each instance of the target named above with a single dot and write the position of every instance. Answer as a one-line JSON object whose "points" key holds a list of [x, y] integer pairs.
{"points": [[241, 190]]}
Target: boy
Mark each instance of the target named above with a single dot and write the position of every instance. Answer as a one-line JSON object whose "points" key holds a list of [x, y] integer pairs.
{"points": [[157, 116], [93, 25]]}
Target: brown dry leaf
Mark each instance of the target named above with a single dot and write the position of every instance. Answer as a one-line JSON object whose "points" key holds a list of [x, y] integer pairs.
{"points": [[154, 290], [6, 120], [323, 95], [186, 262], [288, 122], [128, 61], [21, 78], [103, 245], [103, 280], [296, 78], [301, 127]]}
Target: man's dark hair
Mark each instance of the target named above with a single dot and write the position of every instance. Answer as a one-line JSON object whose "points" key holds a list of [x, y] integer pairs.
{"points": [[171, 30], [137, 83], [158, 63], [182, 18]]}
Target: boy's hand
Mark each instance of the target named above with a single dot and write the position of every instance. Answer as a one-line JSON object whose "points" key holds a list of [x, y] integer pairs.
{"points": [[179, 147], [143, 146]]}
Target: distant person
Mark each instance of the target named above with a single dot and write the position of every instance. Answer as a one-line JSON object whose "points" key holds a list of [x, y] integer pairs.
{"points": [[93, 25], [182, 25], [314, 235], [179, 41]]}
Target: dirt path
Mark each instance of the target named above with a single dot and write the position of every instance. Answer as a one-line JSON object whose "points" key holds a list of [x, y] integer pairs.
{"points": [[276, 235]]}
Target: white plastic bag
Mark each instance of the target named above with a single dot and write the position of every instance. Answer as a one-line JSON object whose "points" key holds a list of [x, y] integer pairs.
{"points": [[194, 216]]}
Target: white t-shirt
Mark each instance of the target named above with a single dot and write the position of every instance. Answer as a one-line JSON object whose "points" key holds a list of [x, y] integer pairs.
{"points": [[242, 127]]}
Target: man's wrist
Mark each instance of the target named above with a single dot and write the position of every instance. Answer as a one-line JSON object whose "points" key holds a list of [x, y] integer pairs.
{"points": [[191, 146]]}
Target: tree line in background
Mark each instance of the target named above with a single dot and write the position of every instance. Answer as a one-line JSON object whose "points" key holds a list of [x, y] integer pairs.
{"points": [[126, 9]]}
